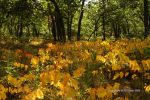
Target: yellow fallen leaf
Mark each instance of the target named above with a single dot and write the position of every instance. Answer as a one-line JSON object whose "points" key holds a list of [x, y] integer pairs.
{"points": [[77, 73], [117, 75], [74, 83], [39, 94], [101, 92], [147, 88], [121, 74], [116, 67], [35, 60], [100, 58], [92, 92], [134, 76]]}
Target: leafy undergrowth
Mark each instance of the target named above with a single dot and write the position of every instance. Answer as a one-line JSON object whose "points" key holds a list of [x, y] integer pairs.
{"points": [[100, 70]]}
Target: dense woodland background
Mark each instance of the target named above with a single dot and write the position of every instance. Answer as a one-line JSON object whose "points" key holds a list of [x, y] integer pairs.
{"points": [[68, 19], [74, 49]]}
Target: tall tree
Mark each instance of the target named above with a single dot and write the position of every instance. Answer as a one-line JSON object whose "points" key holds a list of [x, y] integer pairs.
{"points": [[104, 19], [59, 22], [80, 19], [22, 9], [71, 9], [69, 20], [146, 18]]}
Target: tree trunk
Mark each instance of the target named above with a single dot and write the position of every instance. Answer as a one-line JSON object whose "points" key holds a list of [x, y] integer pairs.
{"points": [[103, 19], [59, 23], [69, 20], [28, 31], [104, 37], [80, 20], [119, 31], [35, 31], [124, 29], [53, 26], [54, 31], [95, 28], [146, 19], [115, 29], [19, 27]]}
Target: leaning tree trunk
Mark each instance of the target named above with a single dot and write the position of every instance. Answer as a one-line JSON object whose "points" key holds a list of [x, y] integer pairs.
{"points": [[95, 28], [59, 23], [80, 20], [146, 19]]}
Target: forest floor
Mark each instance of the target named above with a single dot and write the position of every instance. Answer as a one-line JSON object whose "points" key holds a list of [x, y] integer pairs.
{"points": [[107, 70]]}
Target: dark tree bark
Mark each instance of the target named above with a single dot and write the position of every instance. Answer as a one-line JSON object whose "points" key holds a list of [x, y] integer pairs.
{"points": [[80, 20], [70, 13], [19, 32], [124, 29], [21, 28], [146, 19], [103, 19], [54, 31], [69, 20], [117, 29], [55, 28], [35, 30], [59, 23]]}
